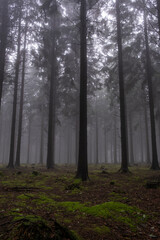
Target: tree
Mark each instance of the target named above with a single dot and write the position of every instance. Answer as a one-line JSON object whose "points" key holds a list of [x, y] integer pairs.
{"points": [[82, 169], [3, 43], [14, 111], [158, 9], [155, 165], [124, 146], [52, 91], [17, 163]]}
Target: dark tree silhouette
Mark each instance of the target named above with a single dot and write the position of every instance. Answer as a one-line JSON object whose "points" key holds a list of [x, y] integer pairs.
{"points": [[82, 169], [17, 163], [158, 9], [3, 42], [13, 126], [52, 93], [123, 121], [155, 165]]}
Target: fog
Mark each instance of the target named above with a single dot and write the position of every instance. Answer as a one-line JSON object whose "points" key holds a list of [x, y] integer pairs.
{"points": [[62, 66]]}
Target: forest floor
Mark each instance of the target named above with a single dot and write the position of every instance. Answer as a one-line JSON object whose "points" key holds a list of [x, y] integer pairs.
{"points": [[38, 204]]}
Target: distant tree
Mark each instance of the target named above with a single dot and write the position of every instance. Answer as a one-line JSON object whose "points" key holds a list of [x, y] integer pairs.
{"points": [[158, 9], [53, 6], [82, 169], [17, 163], [124, 145], [3, 41], [155, 165], [14, 111]]}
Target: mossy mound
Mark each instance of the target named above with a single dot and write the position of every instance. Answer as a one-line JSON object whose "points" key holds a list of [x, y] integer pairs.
{"points": [[33, 228], [118, 211]]}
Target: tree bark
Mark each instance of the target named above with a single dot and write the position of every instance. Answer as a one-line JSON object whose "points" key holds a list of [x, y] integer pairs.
{"points": [[29, 140], [123, 120], [17, 163], [115, 139], [155, 165], [52, 98], [82, 169], [141, 138], [158, 10], [13, 126], [131, 154], [147, 137], [42, 139], [3, 43], [97, 139], [105, 146]]}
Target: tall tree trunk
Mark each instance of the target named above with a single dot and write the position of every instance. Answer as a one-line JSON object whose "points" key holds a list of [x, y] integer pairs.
{"points": [[97, 142], [52, 98], [29, 140], [42, 139], [12, 141], [158, 10], [124, 146], [69, 135], [105, 146], [77, 139], [115, 139], [141, 137], [3, 43], [155, 165], [82, 169], [17, 163], [131, 154], [111, 143], [60, 145], [147, 137]]}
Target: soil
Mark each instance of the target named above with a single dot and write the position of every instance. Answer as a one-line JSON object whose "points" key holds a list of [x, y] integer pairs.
{"points": [[33, 198]]}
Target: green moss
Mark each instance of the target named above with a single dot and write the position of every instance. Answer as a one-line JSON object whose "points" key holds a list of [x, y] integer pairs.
{"points": [[23, 197], [116, 197], [72, 206], [75, 235], [29, 218], [45, 200], [2, 199], [101, 230], [66, 220], [118, 211]]}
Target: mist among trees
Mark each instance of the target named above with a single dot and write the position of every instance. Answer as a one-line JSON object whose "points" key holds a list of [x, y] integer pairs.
{"points": [[80, 85]]}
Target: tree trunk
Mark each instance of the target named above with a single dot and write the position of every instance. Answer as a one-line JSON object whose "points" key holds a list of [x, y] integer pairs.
{"points": [[42, 139], [3, 43], [17, 163], [77, 140], [155, 165], [147, 137], [29, 141], [115, 139], [52, 98], [158, 10], [97, 142], [131, 154], [12, 141], [82, 169], [105, 146], [69, 136], [141, 138], [124, 146]]}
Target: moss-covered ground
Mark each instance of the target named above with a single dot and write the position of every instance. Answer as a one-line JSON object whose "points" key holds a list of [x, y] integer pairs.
{"points": [[39, 204]]}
